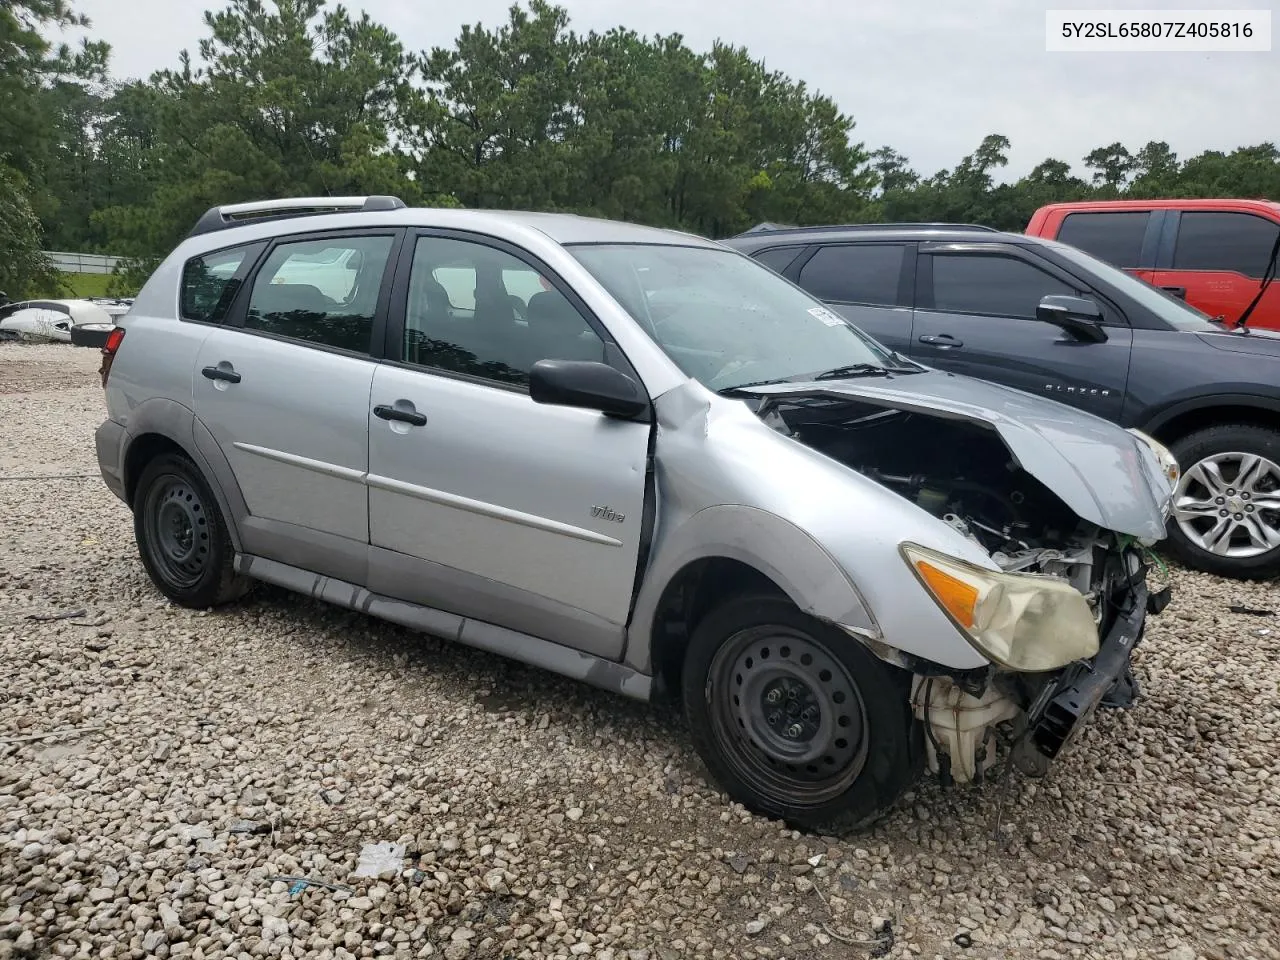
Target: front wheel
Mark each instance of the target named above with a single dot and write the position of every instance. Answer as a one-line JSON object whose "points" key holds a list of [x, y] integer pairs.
{"points": [[796, 719], [1226, 513]]}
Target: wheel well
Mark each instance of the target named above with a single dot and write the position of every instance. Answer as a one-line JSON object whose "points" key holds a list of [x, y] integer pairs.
{"points": [[1187, 423], [698, 588], [141, 452]]}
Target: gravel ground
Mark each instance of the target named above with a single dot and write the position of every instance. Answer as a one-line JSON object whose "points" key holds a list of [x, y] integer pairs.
{"points": [[208, 755]]}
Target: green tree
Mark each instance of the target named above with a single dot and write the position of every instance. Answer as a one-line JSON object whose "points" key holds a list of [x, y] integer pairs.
{"points": [[24, 270], [894, 170], [288, 99], [1111, 166]]}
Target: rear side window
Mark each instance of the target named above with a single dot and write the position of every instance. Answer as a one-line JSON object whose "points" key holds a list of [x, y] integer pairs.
{"points": [[321, 291], [1113, 237], [1237, 242], [855, 273], [210, 282], [777, 259], [992, 285]]}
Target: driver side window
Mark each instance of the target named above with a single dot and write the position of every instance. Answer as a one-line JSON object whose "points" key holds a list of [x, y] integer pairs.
{"points": [[483, 312], [991, 285]]}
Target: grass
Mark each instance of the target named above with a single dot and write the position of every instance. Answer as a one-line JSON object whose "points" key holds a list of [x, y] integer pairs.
{"points": [[86, 284]]}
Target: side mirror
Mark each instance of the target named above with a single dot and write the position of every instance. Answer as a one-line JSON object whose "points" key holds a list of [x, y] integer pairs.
{"points": [[587, 384], [1079, 316]]}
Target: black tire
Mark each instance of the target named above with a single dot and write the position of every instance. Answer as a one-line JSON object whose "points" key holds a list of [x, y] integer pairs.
{"points": [[182, 537], [1221, 441], [847, 783]]}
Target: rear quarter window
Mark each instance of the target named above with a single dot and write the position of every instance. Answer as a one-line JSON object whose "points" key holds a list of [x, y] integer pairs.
{"points": [[777, 259], [210, 282], [1113, 237]]}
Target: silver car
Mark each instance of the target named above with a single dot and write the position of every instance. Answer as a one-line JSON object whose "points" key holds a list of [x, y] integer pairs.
{"points": [[641, 459]]}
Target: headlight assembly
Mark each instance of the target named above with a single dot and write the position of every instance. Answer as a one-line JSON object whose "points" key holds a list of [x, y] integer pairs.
{"points": [[1020, 621]]}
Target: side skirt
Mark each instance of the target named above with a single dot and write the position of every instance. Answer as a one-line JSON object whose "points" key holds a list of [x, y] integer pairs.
{"points": [[534, 651]]}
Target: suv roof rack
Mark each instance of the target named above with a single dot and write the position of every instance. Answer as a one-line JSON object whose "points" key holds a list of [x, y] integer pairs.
{"points": [[237, 214], [775, 228]]}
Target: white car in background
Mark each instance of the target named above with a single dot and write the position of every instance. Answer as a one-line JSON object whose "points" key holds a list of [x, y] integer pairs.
{"points": [[85, 322]]}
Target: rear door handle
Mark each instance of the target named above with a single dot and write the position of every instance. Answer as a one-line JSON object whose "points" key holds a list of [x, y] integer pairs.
{"points": [[942, 340], [412, 417], [1179, 292], [221, 373]]}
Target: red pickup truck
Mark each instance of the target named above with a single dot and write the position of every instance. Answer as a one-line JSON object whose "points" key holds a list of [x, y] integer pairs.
{"points": [[1219, 255]]}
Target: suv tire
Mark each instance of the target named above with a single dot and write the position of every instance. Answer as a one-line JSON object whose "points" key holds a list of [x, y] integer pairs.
{"points": [[182, 537], [1213, 460], [796, 719]]}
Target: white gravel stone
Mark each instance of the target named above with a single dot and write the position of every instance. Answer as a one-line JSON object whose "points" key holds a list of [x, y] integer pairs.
{"points": [[1156, 836]]}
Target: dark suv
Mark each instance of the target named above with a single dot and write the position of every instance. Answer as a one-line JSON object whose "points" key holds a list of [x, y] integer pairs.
{"points": [[1049, 319]]}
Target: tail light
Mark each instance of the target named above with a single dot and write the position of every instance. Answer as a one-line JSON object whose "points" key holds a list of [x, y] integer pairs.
{"points": [[114, 339]]}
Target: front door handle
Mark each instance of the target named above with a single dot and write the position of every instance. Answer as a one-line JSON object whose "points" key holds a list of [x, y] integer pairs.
{"points": [[1179, 292], [942, 340], [412, 417], [221, 373]]}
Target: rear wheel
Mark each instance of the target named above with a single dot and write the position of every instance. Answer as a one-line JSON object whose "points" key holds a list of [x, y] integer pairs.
{"points": [[182, 537], [1226, 516], [795, 719]]}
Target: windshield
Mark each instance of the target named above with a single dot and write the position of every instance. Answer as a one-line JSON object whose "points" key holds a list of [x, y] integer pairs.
{"points": [[725, 319], [1177, 313]]}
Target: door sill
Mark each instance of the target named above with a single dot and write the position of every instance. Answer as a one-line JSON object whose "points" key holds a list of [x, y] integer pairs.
{"points": [[522, 647]]}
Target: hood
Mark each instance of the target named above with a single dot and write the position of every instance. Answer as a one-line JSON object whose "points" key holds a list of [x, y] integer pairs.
{"points": [[1102, 472], [1262, 343]]}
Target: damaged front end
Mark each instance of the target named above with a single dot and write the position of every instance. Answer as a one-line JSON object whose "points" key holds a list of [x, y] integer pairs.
{"points": [[1060, 615], [1041, 712]]}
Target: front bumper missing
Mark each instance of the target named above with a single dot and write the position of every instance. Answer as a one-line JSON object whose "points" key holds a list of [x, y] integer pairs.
{"points": [[1075, 695], [960, 725]]}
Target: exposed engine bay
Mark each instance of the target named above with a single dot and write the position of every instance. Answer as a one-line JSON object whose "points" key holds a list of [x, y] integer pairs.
{"points": [[963, 473], [958, 471]]}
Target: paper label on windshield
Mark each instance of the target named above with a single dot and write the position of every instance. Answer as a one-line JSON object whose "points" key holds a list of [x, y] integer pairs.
{"points": [[827, 317]]}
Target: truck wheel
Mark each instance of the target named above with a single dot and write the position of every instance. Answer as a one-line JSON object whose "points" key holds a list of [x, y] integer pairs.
{"points": [[182, 537], [1226, 514], [795, 719]]}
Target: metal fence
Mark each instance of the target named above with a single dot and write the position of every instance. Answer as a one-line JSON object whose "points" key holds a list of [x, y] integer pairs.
{"points": [[82, 262]]}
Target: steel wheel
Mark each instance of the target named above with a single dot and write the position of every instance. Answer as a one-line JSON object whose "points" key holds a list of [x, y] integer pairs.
{"points": [[787, 715], [1228, 504], [176, 531]]}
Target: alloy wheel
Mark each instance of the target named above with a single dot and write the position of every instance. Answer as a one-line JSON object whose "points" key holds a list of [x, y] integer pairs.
{"points": [[1228, 504]]}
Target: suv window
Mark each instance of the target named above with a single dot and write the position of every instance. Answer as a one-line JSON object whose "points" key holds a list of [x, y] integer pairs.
{"points": [[321, 291], [1238, 242], [209, 283], [779, 258], [1113, 237], [995, 285], [855, 273], [480, 311]]}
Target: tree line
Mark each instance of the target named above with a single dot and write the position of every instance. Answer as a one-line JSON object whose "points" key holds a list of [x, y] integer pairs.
{"points": [[294, 97]]}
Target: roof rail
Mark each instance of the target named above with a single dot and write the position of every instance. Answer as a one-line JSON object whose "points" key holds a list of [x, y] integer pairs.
{"points": [[773, 228], [237, 214]]}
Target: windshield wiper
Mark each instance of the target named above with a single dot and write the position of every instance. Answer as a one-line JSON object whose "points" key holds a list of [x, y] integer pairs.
{"points": [[865, 370], [852, 370], [742, 387]]}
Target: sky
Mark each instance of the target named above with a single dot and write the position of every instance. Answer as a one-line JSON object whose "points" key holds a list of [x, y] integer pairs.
{"points": [[930, 78]]}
